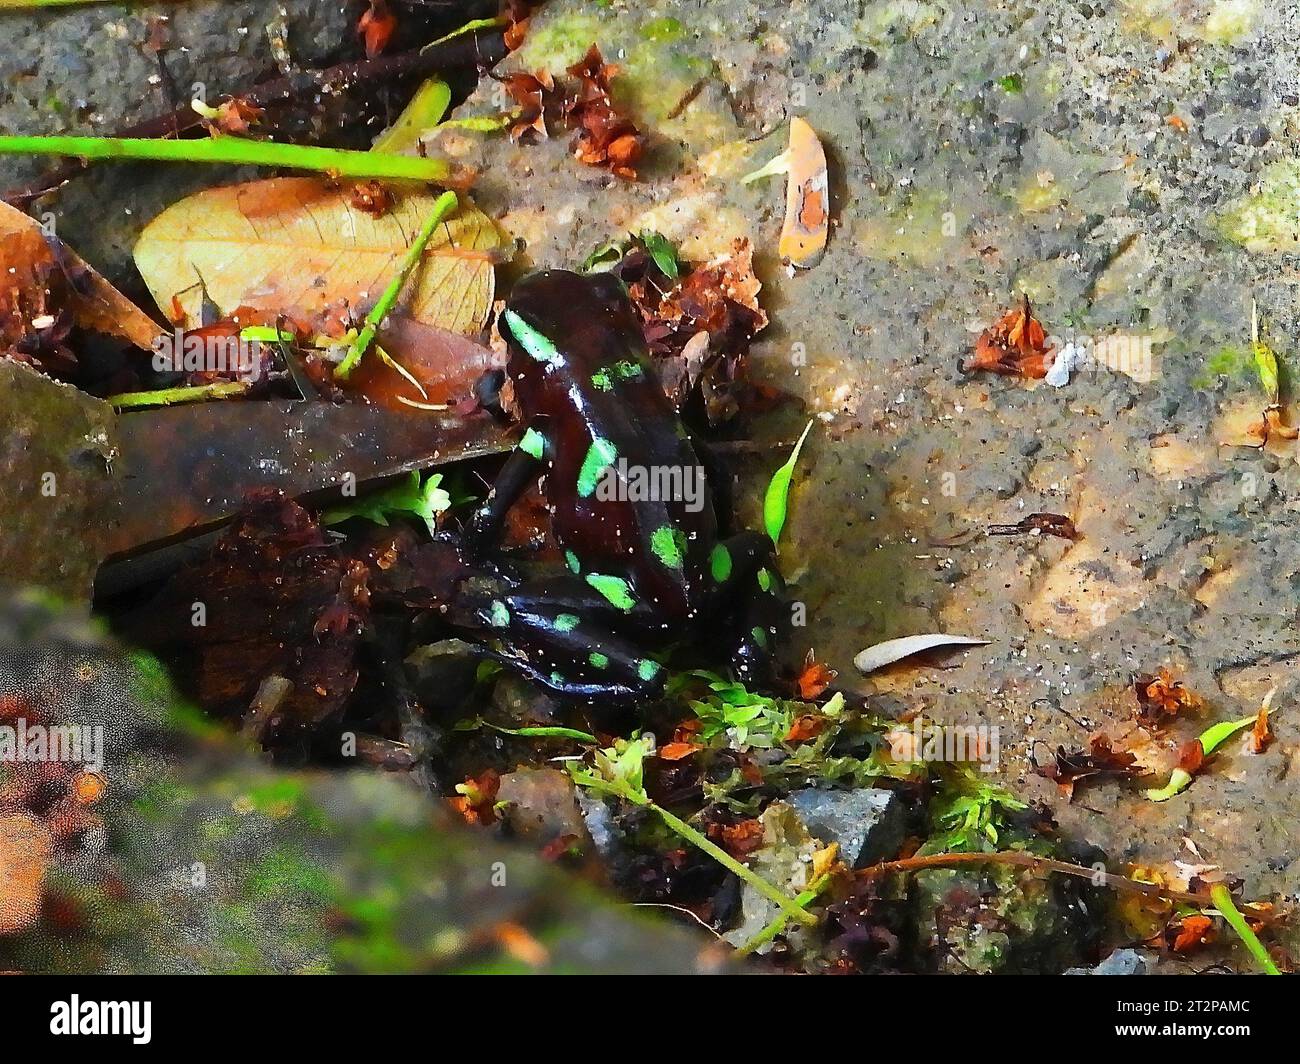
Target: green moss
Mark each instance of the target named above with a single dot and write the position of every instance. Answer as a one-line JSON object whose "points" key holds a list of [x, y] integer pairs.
{"points": [[1267, 219]]}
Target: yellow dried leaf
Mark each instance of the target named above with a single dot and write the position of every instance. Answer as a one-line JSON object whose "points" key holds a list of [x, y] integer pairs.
{"points": [[297, 246]]}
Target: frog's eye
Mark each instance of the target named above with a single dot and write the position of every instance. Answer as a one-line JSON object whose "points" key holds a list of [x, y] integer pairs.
{"points": [[609, 289]]}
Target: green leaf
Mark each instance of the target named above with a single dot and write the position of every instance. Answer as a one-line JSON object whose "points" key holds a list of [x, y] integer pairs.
{"points": [[663, 253], [776, 501], [407, 496]]}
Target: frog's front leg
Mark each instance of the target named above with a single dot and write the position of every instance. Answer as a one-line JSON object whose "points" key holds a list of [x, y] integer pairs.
{"points": [[526, 461], [560, 633]]}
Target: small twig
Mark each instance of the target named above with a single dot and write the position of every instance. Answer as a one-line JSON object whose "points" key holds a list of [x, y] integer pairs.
{"points": [[443, 206], [271, 693], [186, 394], [1037, 864], [236, 150]]}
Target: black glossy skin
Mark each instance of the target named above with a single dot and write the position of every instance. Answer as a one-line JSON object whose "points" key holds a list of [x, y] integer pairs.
{"points": [[643, 573]]}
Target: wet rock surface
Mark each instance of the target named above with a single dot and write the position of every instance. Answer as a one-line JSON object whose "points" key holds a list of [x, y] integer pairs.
{"points": [[201, 857], [1129, 167], [867, 824], [1108, 160]]}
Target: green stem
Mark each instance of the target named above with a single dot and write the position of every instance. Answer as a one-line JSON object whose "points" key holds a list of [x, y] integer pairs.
{"points": [[1222, 898], [778, 925], [443, 206], [787, 905], [187, 394], [469, 27], [238, 150], [544, 733]]}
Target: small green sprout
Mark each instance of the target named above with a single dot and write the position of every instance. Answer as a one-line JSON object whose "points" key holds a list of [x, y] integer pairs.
{"points": [[409, 496], [1210, 739], [776, 501]]}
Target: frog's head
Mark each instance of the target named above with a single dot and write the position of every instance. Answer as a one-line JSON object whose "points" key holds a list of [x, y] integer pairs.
{"points": [[574, 323]]}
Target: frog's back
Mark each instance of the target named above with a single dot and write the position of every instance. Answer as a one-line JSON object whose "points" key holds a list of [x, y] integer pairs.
{"points": [[627, 490]]}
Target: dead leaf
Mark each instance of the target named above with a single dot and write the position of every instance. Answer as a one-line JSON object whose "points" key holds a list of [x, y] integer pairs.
{"points": [[892, 650], [676, 751], [44, 279], [805, 727], [1161, 697], [1190, 932], [807, 199], [376, 27], [1015, 346], [295, 246], [1071, 767], [532, 93], [26, 846], [605, 137], [1261, 735], [814, 679]]}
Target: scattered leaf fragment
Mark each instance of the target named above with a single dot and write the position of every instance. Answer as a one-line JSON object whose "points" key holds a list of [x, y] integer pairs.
{"points": [[26, 846], [807, 199], [376, 27], [814, 678], [1070, 767], [892, 650], [1160, 697], [1040, 524], [605, 137], [1015, 346]]}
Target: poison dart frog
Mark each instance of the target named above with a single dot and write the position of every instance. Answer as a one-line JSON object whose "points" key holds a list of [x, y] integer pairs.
{"points": [[630, 507]]}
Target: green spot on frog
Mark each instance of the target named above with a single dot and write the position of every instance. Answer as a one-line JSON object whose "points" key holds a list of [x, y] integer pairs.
{"points": [[533, 443], [647, 669], [537, 345], [760, 636], [499, 615], [614, 588], [571, 560], [669, 545], [601, 380], [600, 455], [598, 660], [765, 580], [720, 563], [565, 622]]}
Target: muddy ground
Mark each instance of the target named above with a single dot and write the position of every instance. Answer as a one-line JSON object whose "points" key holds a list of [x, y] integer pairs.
{"points": [[1127, 164]]}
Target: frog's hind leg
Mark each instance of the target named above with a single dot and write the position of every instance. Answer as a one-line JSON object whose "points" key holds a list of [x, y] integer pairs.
{"points": [[557, 633]]}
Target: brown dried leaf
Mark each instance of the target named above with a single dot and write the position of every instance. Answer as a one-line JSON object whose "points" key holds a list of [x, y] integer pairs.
{"points": [[1071, 767], [1015, 346], [295, 246], [605, 137], [42, 277], [1161, 697]]}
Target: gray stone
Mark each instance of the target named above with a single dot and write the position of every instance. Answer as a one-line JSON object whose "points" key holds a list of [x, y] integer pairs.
{"points": [[1121, 962], [542, 805], [869, 824]]}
